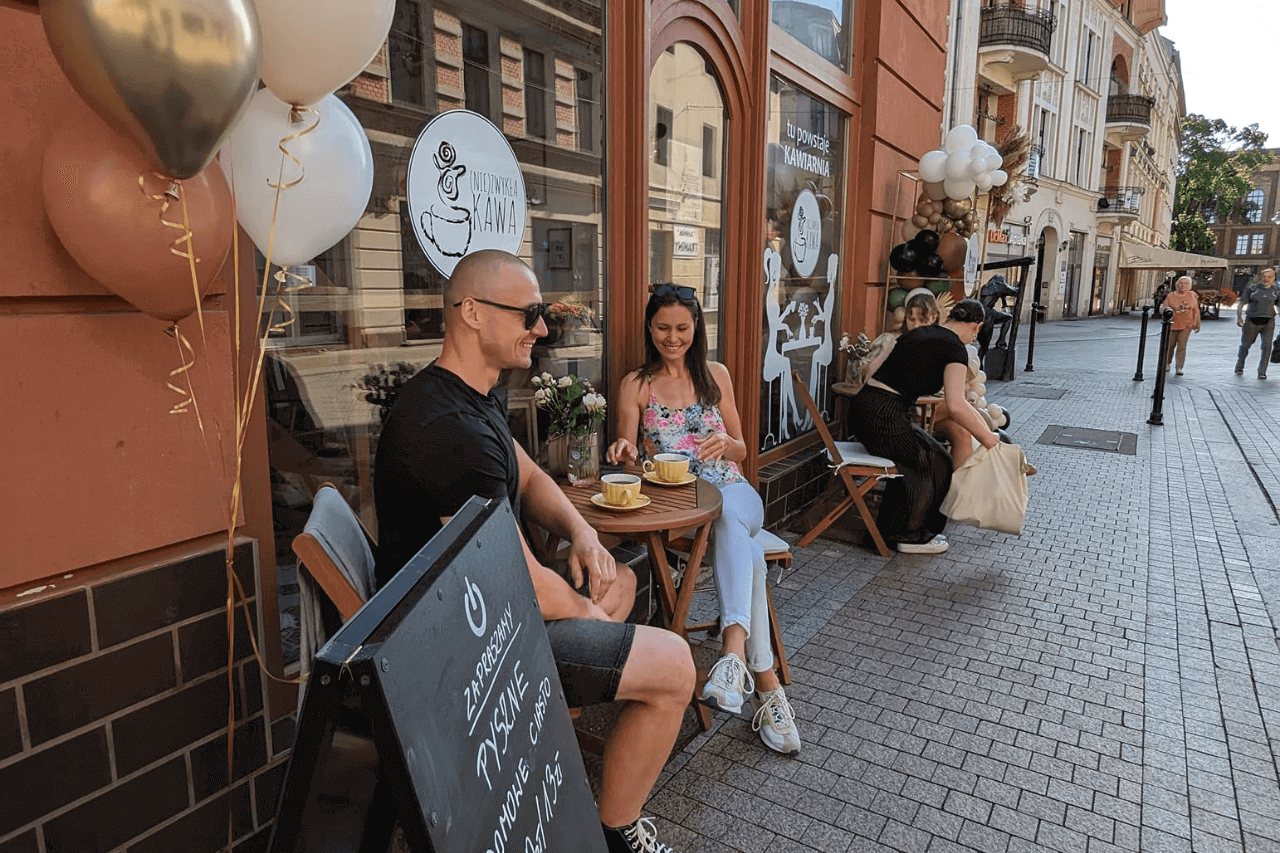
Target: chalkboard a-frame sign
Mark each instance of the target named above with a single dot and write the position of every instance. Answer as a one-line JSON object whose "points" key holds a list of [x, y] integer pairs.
{"points": [[438, 705]]}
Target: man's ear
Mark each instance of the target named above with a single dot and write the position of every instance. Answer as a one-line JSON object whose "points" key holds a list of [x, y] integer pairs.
{"points": [[468, 313]]}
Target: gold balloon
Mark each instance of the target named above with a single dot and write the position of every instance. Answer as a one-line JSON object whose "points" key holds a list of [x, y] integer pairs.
{"points": [[957, 208], [172, 76]]}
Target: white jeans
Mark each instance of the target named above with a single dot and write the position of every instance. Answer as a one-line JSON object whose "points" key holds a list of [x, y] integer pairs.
{"points": [[739, 570]]}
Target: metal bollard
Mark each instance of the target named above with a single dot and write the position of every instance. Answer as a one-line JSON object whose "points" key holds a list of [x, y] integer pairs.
{"points": [[1157, 405], [1037, 317], [1142, 343]]}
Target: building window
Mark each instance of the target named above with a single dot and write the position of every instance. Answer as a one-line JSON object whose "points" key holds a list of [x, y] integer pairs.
{"points": [[1250, 243], [586, 111], [1088, 59], [1046, 133], [1082, 156], [709, 151], [662, 136], [1253, 205], [404, 46], [475, 70], [1209, 212], [535, 94]]}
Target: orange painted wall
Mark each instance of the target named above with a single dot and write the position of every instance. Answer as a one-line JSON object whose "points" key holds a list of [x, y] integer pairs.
{"points": [[97, 468], [903, 79]]}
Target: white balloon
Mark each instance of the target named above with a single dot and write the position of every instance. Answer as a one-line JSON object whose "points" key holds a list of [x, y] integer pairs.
{"points": [[959, 189], [982, 376], [337, 176], [984, 182], [960, 138], [979, 151], [978, 388], [311, 48], [981, 402], [933, 166], [958, 166], [993, 161], [999, 177]]}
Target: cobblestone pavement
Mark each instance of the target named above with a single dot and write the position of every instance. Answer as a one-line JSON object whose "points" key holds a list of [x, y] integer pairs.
{"points": [[1108, 681]]}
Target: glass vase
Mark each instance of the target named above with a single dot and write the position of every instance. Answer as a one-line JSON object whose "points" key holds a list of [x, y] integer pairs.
{"points": [[584, 459], [558, 455]]}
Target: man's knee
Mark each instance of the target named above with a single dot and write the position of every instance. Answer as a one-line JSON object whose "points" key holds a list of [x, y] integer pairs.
{"points": [[660, 666]]}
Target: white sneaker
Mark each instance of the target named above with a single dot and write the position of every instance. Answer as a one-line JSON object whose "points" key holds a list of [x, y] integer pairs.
{"points": [[776, 722], [728, 685], [936, 545]]}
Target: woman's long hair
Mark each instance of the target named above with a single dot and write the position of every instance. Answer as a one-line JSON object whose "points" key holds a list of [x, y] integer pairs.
{"points": [[695, 358]]}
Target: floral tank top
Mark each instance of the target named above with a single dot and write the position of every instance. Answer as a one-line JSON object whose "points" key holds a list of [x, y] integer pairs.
{"points": [[678, 430]]}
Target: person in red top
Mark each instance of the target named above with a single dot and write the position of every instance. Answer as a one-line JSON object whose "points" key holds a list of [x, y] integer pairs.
{"points": [[1186, 319]]}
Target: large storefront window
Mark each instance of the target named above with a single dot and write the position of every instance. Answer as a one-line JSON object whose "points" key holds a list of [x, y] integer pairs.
{"points": [[804, 183], [822, 26], [375, 315], [686, 187]]}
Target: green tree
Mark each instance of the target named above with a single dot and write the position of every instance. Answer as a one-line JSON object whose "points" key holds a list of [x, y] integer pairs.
{"points": [[1215, 171]]}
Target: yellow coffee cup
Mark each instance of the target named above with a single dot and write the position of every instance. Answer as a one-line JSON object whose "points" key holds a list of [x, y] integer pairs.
{"points": [[670, 467], [621, 489]]}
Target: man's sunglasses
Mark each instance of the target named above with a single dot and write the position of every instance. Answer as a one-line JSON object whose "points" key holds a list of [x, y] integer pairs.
{"points": [[687, 294], [532, 313]]}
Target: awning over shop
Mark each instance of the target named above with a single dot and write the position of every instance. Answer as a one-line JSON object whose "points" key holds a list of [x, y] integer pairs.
{"points": [[1136, 256]]}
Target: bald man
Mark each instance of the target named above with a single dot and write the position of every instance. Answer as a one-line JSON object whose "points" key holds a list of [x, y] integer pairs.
{"points": [[447, 439]]}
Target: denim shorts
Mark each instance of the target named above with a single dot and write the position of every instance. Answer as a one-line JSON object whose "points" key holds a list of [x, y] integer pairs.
{"points": [[589, 654]]}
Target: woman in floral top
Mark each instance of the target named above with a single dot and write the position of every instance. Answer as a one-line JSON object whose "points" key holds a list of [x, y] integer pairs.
{"points": [[684, 404], [1186, 319]]}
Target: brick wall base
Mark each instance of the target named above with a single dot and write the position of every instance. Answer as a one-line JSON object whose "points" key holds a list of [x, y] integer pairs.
{"points": [[113, 717]]}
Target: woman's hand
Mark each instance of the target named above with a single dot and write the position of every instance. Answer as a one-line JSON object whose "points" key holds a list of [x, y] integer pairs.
{"points": [[622, 450], [713, 446]]}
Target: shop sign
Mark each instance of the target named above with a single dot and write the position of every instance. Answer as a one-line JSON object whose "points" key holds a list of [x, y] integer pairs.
{"points": [[685, 242], [994, 236], [806, 234], [464, 189]]}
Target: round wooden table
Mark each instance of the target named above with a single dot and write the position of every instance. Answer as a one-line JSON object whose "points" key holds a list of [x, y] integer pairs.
{"points": [[673, 511]]}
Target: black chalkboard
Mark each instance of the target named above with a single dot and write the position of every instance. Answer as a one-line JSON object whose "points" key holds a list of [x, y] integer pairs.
{"points": [[438, 705]]}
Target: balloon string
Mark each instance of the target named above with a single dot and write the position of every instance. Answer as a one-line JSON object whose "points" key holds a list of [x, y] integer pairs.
{"points": [[282, 275], [295, 116], [191, 263], [186, 355]]}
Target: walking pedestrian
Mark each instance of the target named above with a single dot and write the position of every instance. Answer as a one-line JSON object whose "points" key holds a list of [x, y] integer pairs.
{"points": [[1186, 318], [1256, 314]]}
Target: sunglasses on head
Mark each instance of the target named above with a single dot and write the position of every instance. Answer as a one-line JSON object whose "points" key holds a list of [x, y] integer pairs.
{"points": [[688, 294], [532, 313]]}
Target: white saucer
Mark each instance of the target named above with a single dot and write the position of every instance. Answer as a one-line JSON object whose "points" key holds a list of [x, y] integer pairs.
{"points": [[652, 477], [640, 501]]}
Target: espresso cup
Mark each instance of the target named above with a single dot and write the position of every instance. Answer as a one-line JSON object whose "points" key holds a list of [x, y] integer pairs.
{"points": [[670, 467], [621, 489]]}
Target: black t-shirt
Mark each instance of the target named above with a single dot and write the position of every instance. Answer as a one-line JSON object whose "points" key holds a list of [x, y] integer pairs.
{"points": [[442, 443], [915, 366]]}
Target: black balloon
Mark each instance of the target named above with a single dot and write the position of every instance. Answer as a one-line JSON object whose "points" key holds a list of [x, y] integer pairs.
{"points": [[925, 241], [904, 257], [930, 266]]}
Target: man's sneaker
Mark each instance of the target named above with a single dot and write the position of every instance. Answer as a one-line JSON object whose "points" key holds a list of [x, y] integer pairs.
{"points": [[936, 545], [638, 837], [776, 722], [728, 685], [1239, 371]]}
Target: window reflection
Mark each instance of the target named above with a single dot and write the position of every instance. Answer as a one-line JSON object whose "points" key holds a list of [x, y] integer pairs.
{"points": [[687, 132], [374, 316], [803, 257], [822, 26]]}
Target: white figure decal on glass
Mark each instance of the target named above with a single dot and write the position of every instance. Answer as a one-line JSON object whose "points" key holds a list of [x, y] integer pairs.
{"points": [[822, 355], [776, 365]]}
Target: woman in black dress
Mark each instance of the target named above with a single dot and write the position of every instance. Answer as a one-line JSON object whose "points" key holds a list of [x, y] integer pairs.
{"points": [[923, 360]]}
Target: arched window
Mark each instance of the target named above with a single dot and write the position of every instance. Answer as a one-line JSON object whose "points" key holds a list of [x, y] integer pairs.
{"points": [[1252, 209]]}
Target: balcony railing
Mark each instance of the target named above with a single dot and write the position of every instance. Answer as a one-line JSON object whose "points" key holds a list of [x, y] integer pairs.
{"points": [[1035, 162], [1129, 109], [1013, 26], [1121, 201]]}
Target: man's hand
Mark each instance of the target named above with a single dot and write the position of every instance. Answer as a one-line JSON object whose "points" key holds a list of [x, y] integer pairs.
{"points": [[586, 554]]}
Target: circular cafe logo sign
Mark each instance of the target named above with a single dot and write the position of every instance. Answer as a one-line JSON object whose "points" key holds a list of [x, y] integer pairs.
{"points": [[465, 191], [806, 234]]}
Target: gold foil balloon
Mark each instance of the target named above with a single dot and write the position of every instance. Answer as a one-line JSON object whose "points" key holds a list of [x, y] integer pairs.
{"points": [[956, 208], [172, 76]]}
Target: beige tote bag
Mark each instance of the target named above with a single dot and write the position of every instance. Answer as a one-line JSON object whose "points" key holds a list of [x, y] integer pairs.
{"points": [[990, 490]]}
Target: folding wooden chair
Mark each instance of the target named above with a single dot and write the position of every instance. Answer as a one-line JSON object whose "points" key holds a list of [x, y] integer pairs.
{"points": [[854, 466]]}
